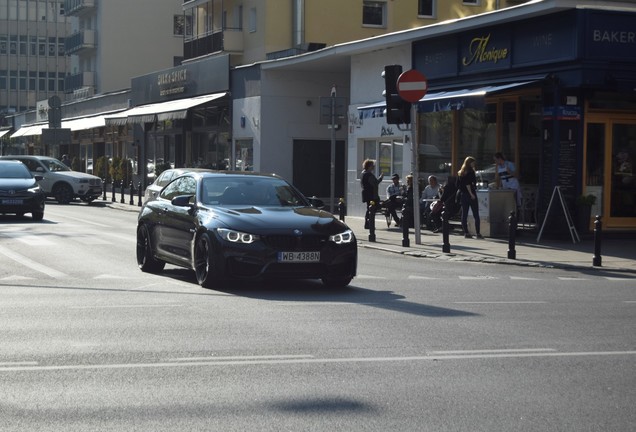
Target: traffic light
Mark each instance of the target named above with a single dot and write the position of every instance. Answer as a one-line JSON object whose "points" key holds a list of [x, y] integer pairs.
{"points": [[398, 111]]}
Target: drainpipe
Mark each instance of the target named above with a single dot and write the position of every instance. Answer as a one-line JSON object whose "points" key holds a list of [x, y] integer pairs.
{"points": [[298, 23]]}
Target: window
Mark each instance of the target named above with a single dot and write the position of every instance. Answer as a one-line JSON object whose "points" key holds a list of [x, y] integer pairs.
{"points": [[178, 25], [425, 8], [3, 79], [471, 2], [3, 44], [252, 20], [42, 81], [374, 13], [388, 155], [23, 80]]}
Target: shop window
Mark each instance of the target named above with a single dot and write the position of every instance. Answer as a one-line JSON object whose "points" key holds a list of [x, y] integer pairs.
{"points": [[244, 155], [478, 136], [374, 13], [388, 155], [435, 147]]}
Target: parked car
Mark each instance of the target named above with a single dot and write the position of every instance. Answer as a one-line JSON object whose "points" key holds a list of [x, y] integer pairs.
{"points": [[19, 191], [228, 225], [164, 178], [60, 182]]}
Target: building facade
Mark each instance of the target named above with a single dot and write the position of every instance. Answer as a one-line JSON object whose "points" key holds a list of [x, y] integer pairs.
{"points": [[33, 61]]}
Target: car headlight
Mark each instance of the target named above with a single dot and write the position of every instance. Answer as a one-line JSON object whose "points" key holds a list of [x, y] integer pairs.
{"points": [[236, 236], [342, 238], [34, 189]]}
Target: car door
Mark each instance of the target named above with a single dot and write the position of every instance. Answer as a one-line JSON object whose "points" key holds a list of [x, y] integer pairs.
{"points": [[174, 231], [38, 168]]}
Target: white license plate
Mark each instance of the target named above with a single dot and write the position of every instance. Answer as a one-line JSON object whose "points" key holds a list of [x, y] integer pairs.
{"points": [[298, 256], [12, 201]]}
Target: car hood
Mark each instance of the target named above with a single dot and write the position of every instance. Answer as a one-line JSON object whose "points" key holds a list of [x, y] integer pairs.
{"points": [[280, 220], [75, 174], [17, 184]]}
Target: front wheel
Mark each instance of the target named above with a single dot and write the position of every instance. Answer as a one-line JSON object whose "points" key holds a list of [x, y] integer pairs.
{"points": [[204, 264], [145, 257], [37, 216], [63, 193]]}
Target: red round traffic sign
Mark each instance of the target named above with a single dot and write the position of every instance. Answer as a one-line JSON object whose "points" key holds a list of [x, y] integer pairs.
{"points": [[412, 85]]}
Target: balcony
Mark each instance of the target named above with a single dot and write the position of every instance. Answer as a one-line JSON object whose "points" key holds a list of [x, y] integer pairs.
{"points": [[228, 40], [78, 7], [78, 81], [80, 41]]}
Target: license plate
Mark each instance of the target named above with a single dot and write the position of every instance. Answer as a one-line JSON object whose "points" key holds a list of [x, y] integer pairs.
{"points": [[12, 201], [298, 256]]}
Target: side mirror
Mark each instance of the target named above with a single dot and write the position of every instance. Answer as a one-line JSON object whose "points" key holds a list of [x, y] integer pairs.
{"points": [[182, 201], [38, 178], [315, 202]]}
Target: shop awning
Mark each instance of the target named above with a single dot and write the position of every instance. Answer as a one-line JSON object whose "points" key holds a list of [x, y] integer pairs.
{"points": [[85, 123], [3, 133], [170, 110], [29, 130], [447, 100]]}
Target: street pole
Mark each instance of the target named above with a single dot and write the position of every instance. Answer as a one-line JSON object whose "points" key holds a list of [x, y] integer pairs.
{"points": [[416, 176], [333, 150]]}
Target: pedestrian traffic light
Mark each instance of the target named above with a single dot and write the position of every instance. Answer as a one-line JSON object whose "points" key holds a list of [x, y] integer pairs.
{"points": [[398, 111]]}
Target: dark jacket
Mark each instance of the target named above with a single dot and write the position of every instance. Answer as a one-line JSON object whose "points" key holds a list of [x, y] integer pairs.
{"points": [[369, 183]]}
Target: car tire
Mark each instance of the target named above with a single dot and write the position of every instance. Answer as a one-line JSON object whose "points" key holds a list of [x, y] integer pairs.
{"points": [[145, 258], [336, 282], [37, 216], [63, 193], [204, 264]]}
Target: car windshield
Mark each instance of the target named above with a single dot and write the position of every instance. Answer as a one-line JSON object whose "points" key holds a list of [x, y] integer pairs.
{"points": [[252, 191], [55, 165], [15, 171]]}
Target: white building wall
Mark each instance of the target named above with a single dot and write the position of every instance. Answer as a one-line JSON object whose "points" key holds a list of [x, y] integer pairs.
{"points": [[367, 86]]}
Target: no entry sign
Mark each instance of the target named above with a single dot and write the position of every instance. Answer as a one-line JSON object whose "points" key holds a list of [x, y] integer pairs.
{"points": [[412, 85]]}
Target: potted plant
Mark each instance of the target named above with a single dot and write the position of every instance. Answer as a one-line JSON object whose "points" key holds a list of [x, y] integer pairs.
{"points": [[584, 205]]}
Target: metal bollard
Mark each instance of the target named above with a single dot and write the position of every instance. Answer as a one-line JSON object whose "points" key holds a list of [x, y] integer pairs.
{"points": [[371, 221], [112, 187], [445, 230], [122, 200], [512, 234], [342, 209], [596, 261], [406, 223], [104, 187], [132, 191], [139, 194]]}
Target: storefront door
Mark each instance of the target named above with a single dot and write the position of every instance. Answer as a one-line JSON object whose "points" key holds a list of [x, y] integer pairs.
{"points": [[610, 175]]}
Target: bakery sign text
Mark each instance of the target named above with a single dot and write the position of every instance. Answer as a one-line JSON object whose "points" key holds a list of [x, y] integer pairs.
{"points": [[480, 51]]}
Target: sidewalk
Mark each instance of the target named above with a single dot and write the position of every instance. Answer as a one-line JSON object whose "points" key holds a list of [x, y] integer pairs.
{"points": [[617, 253]]}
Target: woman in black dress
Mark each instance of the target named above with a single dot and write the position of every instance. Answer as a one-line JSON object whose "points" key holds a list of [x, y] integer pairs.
{"points": [[468, 189]]}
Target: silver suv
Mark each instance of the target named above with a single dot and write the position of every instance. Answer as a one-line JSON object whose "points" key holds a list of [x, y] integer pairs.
{"points": [[60, 182]]}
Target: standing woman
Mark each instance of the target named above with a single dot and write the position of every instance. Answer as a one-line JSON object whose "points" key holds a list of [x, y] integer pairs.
{"points": [[506, 173], [369, 184], [468, 191]]}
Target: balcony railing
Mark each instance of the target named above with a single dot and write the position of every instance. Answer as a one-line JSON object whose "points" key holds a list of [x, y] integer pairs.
{"points": [[77, 42], [73, 7], [80, 80], [228, 40]]}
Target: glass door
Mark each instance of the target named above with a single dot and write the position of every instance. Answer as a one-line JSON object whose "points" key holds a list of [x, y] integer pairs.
{"points": [[622, 177]]}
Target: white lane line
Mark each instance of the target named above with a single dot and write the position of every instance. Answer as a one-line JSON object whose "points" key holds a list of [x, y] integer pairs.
{"points": [[24, 363], [422, 277], [288, 361], [21, 259], [83, 221], [502, 302], [523, 278], [571, 279], [620, 279], [370, 277], [492, 351], [629, 301], [477, 277], [30, 239], [133, 306], [213, 358]]}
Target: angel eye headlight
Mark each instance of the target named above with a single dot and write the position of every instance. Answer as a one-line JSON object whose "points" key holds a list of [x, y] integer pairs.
{"points": [[236, 236], [342, 238]]}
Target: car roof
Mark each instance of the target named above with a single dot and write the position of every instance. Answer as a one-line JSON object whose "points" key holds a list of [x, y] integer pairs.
{"points": [[26, 157], [10, 161], [237, 174]]}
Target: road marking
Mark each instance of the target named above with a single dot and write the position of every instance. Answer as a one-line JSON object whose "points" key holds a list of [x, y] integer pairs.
{"points": [[491, 351], [30, 239], [619, 279], [477, 277], [503, 302], [21, 259], [17, 277], [24, 363], [213, 358], [421, 277], [523, 278], [83, 221], [126, 306], [571, 278], [247, 361], [369, 277]]}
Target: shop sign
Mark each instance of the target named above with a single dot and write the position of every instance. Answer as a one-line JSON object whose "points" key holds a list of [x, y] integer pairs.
{"points": [[562, 113]]}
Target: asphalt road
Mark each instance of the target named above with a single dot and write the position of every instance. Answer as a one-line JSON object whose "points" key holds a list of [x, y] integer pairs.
{"points": [[91, 343]]}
